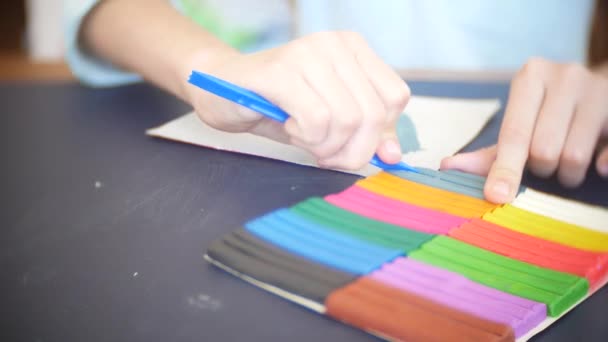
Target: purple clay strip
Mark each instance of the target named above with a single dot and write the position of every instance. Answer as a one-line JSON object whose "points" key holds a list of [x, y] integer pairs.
{"points": [[444, 276], [530, 312], [458, 292], [448, 300]]}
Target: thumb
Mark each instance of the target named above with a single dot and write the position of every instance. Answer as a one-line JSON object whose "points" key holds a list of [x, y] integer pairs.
{"points": [[389, 149], [477, 162]]}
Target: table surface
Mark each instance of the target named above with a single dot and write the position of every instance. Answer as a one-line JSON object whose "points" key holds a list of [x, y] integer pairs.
{"points": [[104, 229]]}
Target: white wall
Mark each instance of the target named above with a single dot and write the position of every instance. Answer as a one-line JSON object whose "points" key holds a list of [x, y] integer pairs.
{"points": [[44, 35]]}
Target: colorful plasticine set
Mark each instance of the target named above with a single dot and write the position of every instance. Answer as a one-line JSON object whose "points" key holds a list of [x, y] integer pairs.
{"points": [[423, 257], [419, 255]]}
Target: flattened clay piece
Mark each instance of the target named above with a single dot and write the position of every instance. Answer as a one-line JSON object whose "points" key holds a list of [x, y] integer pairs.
{"points": [[407, 135]]}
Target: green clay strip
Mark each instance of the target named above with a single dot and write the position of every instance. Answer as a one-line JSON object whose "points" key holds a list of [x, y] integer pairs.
{"points": [[383, 234], [557, 290]]}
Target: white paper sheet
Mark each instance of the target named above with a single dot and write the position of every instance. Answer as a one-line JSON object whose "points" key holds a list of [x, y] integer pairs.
{"points": [[443, 126]]}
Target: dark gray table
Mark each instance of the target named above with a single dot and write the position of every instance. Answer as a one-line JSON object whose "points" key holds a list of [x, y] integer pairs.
{"points": [[103, 229]]}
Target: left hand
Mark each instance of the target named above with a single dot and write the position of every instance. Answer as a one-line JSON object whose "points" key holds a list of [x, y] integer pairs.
{"points": [[555, 117]]}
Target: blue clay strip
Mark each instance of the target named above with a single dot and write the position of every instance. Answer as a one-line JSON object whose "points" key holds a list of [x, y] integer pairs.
{"points": [[300, 236]]}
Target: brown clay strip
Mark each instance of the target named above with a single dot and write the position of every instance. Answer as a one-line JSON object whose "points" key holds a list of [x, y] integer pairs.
{"points": [[390, 312]]}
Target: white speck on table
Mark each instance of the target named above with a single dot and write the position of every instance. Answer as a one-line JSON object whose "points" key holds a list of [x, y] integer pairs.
{"points": [[204, 302]]}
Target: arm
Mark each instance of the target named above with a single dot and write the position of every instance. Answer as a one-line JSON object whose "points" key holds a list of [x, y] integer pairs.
{"points": [[344, 101], [150, 38]]}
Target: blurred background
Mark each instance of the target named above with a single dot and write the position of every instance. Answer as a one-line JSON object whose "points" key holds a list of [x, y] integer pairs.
{"points": [[31, 37], [31, 46], [31, 34]]}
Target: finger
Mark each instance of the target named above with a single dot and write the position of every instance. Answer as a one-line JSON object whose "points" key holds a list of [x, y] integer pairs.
{"points": [[392, 90], [389, 149], [551, 128], [602, 162], [389, 86], [345, 113], [526, 95], [271, 129], [477, 162], [587, 124], [309, 115], [375, 121]]}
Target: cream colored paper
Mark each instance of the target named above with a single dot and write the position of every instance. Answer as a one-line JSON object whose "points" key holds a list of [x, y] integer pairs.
{"points": [[443, 126]]}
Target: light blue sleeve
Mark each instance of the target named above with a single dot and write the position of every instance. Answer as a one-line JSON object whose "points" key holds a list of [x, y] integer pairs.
{"points": [[89, 69], [95, 72]]}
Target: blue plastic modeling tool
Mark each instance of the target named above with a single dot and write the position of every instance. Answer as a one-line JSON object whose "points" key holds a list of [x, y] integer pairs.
{"points": [[259, 104]]}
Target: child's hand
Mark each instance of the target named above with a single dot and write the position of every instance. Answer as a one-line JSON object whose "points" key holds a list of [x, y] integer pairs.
{"points": [[343, 100], [556, 116]]}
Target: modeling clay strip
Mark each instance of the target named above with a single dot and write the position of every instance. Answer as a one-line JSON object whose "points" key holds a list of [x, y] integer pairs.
{"points": [[557, 290], [396, 314], [380, 208], [547, 228], [372, 231], [368, 198], [407, 191], [320, 244], [448, 182], [248, 255], [458, 292], [577, 213], [530, 249], [425, 196]]}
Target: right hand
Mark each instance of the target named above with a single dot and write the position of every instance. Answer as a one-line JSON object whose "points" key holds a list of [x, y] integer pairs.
{"points": [[343, 100], [555, 119]]}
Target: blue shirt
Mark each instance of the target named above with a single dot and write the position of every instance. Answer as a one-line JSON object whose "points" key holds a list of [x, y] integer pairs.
{"points": [[414, 34]]}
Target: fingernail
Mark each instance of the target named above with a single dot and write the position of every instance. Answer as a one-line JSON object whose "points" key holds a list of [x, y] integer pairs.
{"points": [[603, 169], [446, 163], [393, 148], [502, 189]]}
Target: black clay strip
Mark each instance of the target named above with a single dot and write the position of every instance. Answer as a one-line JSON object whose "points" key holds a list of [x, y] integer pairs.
{"points": [[262, 261]]}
